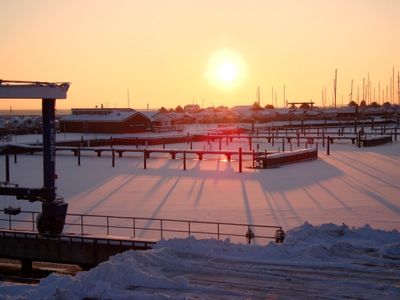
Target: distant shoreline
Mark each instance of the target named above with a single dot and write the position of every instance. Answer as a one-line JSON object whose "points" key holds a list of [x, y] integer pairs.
{"points": [[31, 112]]}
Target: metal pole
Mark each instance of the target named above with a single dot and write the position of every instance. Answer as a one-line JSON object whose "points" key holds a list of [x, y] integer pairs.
{"points": [[240, 160], [328, 143], [108, 225], [161, 229], [49, 140], [113, 157], [7, 168]]}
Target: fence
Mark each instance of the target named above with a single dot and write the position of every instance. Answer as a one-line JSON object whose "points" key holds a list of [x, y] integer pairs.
{"points": [[148, 228]]}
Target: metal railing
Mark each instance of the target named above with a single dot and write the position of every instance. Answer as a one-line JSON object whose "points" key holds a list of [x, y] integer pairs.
{"points": [[147, 228]]}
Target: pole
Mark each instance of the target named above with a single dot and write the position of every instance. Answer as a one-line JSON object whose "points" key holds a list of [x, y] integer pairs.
{"points": [[144, 159], [7, 168], [113, 157], [335, 86], [328, 143], [49, 140], [184, 160], [240, 160]]}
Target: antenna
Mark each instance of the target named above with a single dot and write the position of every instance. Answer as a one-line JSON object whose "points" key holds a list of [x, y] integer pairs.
{"points": [[363, 89], [351, 91], [379, 92], [368, 89], [335, 86], [284, 95], [398, 86], [127, 89], [393, 85]]}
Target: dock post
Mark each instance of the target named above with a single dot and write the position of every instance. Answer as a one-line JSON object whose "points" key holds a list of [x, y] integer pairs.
{"points": [[7, 168], [79, 156], [184, 160], [26, 267], [144, 159], [220, 142], [328, 143], [283, 144], [113, 157], [15, 157], [240, 160]]}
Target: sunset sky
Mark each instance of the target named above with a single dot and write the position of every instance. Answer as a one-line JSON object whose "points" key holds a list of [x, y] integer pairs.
{"points": [[209, 52]]}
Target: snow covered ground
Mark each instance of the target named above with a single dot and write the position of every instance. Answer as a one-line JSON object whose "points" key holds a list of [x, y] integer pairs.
{"points": [[351, 186]]}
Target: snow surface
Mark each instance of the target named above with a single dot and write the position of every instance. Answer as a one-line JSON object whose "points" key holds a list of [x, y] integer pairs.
{"points": [[326, 260], [315, 262]]}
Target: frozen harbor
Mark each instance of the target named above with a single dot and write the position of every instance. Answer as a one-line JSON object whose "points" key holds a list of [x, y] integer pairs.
{"points": [[354, 186]]}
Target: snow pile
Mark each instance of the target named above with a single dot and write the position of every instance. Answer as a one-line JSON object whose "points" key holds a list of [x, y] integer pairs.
{"points": [[187, 268]]}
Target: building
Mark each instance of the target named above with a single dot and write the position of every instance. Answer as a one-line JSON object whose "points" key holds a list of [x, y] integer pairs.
{"points": [[105, 120]]}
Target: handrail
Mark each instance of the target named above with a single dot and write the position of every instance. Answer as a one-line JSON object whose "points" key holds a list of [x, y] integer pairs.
{"points": [[134, 227]]}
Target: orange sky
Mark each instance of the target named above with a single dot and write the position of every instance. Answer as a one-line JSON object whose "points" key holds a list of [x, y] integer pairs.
{"points": [[161, 50]]}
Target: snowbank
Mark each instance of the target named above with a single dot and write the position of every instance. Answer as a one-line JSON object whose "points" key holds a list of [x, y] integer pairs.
{"points": [[188, 268]]}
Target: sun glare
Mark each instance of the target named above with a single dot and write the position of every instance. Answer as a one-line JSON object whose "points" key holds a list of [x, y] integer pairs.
{"points": [[225, 69]]}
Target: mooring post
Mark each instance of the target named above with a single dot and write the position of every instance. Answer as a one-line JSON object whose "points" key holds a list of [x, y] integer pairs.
{"points": [[184, 160], [240, 160], [144, 159], [191, 144], [7, 168], [113, 157], [283, 144], [250, 143], [395, 134], [273, 139], [220, 143], [15, 157], [26, 267], [328, 143], [79, 156]]}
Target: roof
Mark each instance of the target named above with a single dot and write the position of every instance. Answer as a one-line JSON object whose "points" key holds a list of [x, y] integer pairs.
{"points": [[100, 114]]}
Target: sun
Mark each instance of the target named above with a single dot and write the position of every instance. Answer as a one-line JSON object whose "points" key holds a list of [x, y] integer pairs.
{"points": [[225, 69]]}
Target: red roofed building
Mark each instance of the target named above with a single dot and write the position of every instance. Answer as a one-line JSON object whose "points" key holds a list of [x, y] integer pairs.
{"points": [[105, 120]]}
